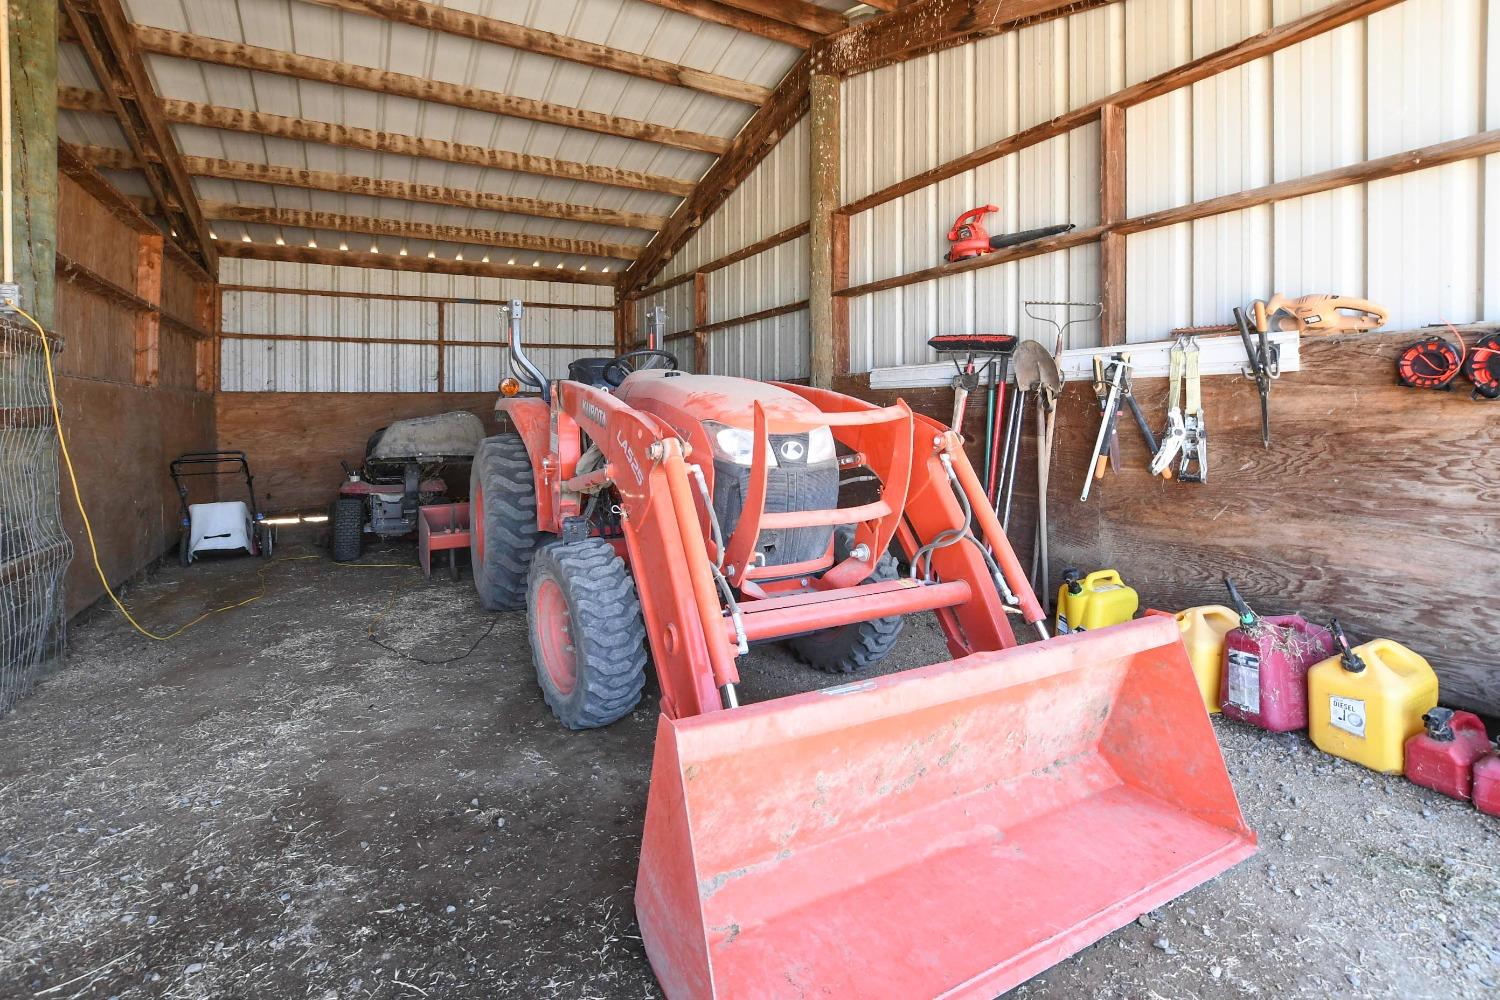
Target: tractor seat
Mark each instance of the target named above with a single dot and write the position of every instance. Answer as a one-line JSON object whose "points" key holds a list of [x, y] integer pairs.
{"points": [[589, 371]]}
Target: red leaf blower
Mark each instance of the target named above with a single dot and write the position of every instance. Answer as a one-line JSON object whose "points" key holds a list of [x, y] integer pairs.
{"points": [[968, 237]]}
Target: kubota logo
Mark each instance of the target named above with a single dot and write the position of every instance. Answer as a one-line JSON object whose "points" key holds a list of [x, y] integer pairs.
{"points": [[594, 413], [793, 451]]}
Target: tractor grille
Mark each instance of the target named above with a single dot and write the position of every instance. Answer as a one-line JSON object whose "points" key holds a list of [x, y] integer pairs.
{"points": [[789, 486]]}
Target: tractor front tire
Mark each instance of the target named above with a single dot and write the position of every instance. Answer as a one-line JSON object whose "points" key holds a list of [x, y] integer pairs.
{"points": [[851, 648], [346, 524], [503, 530], [588, 639]]}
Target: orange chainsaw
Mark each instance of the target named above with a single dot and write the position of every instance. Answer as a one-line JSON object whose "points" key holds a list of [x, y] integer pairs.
{"points": [[1319, 314]]}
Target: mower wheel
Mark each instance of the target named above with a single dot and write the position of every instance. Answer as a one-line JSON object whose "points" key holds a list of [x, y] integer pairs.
{"points": [[503, 530], [588, 639], [851, 648], [347, 527]]}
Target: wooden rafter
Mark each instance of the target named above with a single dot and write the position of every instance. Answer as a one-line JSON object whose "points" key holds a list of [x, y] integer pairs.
{"points": [[104, 33], [423, 265], [742, 20], [495, 31], [431, 194], [401, 229], [806, 15], [931, 25], [751, 146], [349, 137], [199, 48]]}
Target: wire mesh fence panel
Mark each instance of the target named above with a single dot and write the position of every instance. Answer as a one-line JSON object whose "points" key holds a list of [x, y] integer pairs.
{"points": [[34, 549]]}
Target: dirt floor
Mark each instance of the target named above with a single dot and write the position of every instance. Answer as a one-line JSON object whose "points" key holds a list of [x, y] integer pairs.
{"points": [[273, 805]]}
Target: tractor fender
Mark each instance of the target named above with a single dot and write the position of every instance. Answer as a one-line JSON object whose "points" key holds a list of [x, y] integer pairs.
{"points": [[533, 422]]}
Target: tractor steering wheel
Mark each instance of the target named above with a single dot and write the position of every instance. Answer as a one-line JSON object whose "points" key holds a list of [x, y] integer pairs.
{"points": [[614, 373]]}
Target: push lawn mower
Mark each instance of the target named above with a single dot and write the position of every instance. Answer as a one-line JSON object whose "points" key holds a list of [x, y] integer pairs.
{"points": [[223, 526], [402, 472], [947, 831]]}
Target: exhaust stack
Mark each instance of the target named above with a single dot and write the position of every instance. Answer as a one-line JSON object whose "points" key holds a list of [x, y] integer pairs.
{"points": [[520, 365]]}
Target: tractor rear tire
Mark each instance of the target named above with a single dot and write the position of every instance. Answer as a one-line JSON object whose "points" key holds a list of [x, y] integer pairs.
{"points": [[503, 532], [850, 648], [588, 638], [346, 523]]}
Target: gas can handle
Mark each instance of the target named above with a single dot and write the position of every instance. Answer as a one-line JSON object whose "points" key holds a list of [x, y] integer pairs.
{"points": [[1348, 658]]}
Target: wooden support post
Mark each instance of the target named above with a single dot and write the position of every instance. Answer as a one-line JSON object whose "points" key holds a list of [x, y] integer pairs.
{"points": [[700, 320], [148, 265], [33, 82], [625, 326], [442, 381], [824, 168], [839, 249], [1112, 211], [206, 350]]}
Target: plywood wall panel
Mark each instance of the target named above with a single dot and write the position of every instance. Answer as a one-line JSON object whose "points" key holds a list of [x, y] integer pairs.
{"points": [[296, 440]]}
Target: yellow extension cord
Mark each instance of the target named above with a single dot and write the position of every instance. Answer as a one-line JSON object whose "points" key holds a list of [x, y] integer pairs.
{"points": [[88, 528]]}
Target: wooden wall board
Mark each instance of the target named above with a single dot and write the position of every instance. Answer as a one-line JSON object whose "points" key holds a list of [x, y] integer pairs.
{"points": [[179, 292], [90, 233], [295, 440], [122, 438], [1374, 503]]}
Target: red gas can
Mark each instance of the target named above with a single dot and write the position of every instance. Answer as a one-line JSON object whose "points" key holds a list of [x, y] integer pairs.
{"points": [[1266, 659], [1443, 757], [1487, 784]]}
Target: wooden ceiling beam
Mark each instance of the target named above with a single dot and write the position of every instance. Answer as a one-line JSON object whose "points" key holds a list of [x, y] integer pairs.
{"points": [[916, 29], [103, 32], [105, 158], [742, 20], [422, 265], [333, 221], [478, 28], [215, 51], [808, 16], [371, 140], [751, 146]]}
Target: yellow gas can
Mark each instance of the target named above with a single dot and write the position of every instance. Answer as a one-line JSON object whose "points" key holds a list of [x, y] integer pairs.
{"points": [[1203, 631], [1365, 703], [1097, 600]]}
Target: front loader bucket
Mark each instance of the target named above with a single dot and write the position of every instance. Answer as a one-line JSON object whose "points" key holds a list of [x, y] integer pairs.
{"points": [[945, 832]]}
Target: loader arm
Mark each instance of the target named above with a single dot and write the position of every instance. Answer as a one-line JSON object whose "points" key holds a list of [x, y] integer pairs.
{"points": [[664, 541]]}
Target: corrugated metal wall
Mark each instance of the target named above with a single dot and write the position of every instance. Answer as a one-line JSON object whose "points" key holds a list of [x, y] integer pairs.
{"points": [[773, 198], [256, 365], [1407, 77]]}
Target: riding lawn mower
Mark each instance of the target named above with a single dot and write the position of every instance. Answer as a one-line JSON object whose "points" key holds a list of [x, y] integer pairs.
{"points": [[948, 831], [402, 473]]}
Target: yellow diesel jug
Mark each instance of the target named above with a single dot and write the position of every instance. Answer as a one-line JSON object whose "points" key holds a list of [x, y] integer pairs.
{"points": [[1099, 599], [1203, 631], [1365, 703]]}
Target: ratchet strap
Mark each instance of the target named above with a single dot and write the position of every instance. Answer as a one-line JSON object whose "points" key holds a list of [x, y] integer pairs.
{"points": [[1193, 467]]}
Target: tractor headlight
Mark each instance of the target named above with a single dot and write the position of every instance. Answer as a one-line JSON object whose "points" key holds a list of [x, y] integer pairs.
{"points": [[820, 446], [734, 444]]}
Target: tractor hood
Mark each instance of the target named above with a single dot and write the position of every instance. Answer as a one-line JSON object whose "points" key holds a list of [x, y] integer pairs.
{"points": [[678, 396]]}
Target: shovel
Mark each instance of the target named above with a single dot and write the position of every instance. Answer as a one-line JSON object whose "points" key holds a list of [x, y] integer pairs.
{"points": [[1037, 371]]}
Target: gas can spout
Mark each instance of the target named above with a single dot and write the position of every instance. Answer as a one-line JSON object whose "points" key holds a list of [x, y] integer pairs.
{"points": [[1248, 618], [1348, 658]]}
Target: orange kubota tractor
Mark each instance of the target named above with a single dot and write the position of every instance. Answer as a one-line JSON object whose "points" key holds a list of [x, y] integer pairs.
{"points": [[946, 831]]}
